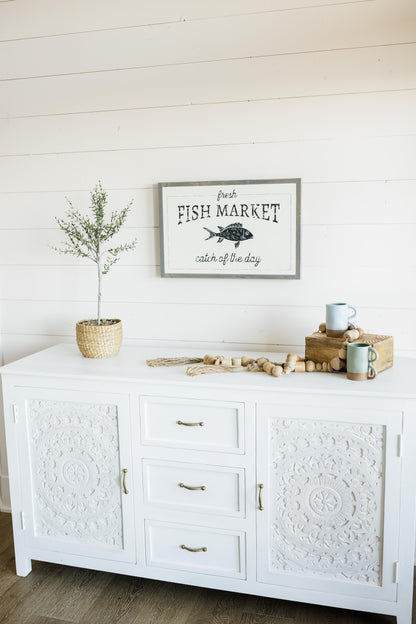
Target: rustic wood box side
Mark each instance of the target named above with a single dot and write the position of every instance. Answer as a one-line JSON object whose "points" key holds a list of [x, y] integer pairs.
{"points": [[320, 348]]}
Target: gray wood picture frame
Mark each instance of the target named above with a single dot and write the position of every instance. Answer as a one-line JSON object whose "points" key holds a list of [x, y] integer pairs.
{"points": [[175, 212]]}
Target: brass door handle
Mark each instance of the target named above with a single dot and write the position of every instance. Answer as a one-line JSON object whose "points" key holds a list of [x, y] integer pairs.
{"points": [[197, 424], [261, 486], [203, 549], [189, 487], [124, 481]]}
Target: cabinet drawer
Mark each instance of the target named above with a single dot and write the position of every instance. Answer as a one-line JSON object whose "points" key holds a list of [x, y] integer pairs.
{"points": [[195, 549], [212, 490], [193, 424]]}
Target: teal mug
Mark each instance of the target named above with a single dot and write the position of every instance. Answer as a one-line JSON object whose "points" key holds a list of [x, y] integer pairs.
{"points": [[338, 318], [360, 359]]}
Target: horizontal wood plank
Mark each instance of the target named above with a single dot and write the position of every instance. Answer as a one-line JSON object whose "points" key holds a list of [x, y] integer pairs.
{"points": [[359, 202], [259, 324], [320, 118], [301, 75], [100, 14], [37, 246], [38, 210], [318, 285], [260, 34], [376, 158]]}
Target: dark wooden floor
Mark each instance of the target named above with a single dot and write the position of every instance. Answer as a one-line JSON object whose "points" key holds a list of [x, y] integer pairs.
{"points": [[54, 594]]}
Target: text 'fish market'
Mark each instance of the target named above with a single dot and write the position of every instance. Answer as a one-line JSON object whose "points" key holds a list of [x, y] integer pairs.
{"points": [[265, 212]]}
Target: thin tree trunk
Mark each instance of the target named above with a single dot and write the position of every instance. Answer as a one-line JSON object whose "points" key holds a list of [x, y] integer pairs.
{"points": [[99, 289]]}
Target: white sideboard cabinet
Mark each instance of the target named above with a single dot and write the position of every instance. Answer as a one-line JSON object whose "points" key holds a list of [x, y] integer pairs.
{"points": [[299, 488]]}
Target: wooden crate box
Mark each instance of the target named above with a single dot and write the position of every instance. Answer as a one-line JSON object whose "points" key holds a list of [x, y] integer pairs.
{"points": [[320, 348]]}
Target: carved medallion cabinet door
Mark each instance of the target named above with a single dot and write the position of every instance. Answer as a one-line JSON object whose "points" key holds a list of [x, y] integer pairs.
{"points": [[324, 476], [76, 473]]}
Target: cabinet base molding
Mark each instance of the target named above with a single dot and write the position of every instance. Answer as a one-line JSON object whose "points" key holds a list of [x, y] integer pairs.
{"points": [[214, 582]]}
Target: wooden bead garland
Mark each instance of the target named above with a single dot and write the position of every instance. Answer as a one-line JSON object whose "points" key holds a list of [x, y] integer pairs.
{"points": [[294, 363], [219, 364]]}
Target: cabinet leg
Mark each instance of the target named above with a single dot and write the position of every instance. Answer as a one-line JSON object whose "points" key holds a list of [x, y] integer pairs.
{"points": [[23, 566], [405, 616]]}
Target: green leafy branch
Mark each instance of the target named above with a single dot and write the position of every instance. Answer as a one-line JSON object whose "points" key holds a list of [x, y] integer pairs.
{"points": [[87, 237]]}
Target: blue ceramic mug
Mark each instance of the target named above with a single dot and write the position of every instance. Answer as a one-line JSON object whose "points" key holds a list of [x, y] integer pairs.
{"points": [[360, 359], [338, 318]]}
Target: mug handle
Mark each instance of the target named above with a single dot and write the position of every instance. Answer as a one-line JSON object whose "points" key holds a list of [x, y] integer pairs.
{"points": [[371, 370], [351, 316]]}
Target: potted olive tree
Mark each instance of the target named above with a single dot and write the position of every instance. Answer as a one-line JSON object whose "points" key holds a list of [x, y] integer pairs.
{"points": [[89, 237]]}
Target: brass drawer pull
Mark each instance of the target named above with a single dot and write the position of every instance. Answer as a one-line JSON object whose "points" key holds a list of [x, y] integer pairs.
{"points": [[204, 549], [189, 487], [124, 481], [261, 486], [198, 424]]}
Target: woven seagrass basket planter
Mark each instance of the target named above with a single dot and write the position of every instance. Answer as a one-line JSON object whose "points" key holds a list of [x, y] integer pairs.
{"points": [[99, 341]]}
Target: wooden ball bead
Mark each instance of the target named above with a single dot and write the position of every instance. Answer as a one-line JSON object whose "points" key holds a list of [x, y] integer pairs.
{"points": [[277, 371], [262, 361], [351, 334], [360, 331], [245, 361], [342, 354], [336, 364], [318, 366], [325, 366], [322, 328], [209, 359], [330, 369], [267, 367], [293, 357], [310, 366]]}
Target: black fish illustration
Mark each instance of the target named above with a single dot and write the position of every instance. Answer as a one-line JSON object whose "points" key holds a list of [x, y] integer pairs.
{"points": [[234, 232]]}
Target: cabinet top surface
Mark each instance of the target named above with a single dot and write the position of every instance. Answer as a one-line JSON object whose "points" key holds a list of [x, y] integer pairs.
{"points": [[65, 361]]}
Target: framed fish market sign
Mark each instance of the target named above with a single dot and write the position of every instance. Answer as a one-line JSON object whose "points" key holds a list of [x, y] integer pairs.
{"points": [[243, 228]]}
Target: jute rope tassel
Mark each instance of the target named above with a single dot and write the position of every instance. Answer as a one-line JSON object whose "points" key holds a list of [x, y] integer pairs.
{"points": [[173, 361], [193, 371]]}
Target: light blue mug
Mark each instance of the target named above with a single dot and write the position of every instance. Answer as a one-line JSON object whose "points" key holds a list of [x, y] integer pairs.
{"points": [[360, 359], [338, 318]]}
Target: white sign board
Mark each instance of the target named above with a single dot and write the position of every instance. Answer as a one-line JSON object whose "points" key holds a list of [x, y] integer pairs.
{"points": [[230, 229]]}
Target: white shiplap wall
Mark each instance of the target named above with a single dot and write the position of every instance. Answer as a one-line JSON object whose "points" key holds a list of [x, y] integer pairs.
{"points": [[133, 93]]}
